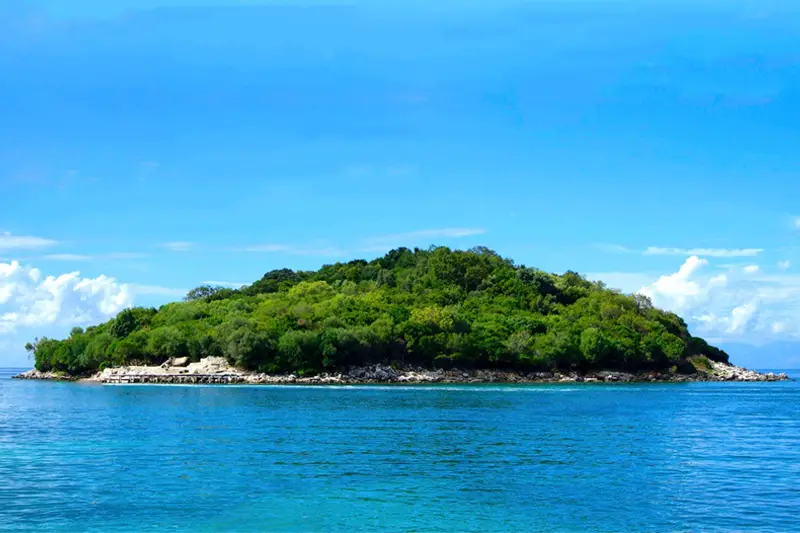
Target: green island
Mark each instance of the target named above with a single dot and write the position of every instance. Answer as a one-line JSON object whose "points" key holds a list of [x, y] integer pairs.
{"points": [[433, 308]]}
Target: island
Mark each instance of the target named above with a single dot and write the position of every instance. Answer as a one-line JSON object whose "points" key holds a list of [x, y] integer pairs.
{"points": [[411, 316]]}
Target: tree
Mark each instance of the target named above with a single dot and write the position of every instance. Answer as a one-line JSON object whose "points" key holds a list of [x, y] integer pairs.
{"points": [[202, 292], [274, 281], [166, 342], [130, 320], [643, 302], [248, 348], [299, 350], [95, 352], [594, 346], [30, 347]]}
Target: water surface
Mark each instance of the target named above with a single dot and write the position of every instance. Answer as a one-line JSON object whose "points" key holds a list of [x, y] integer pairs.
{"points": [[577, 457]]}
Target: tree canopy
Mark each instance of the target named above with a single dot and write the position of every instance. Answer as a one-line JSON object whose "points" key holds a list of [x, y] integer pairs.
{"points": [[435, 307]]}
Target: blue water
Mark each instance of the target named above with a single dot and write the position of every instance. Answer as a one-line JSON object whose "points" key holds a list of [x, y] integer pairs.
{"points": [[654, 457]]}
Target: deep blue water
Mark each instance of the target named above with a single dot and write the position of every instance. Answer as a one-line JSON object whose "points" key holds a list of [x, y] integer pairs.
{"points": [[655, 457]]}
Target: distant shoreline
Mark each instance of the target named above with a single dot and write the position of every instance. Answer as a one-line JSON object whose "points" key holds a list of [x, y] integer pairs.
{"points": [[214, 370]]}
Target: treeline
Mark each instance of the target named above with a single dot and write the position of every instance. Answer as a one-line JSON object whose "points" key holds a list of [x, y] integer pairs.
{"points": [[435, 307]]}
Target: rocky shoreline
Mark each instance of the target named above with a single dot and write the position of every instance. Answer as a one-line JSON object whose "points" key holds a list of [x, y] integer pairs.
{"points": [[46, 376], [215, 370]]}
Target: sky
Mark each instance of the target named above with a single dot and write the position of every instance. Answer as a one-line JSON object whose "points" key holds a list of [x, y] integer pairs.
{"points": [[150, 146]]}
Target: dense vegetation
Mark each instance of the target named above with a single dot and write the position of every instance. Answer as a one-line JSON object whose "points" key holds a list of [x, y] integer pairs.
{"points": [[435, 307]]}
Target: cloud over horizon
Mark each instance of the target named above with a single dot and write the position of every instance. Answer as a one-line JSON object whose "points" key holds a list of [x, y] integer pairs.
{"points": [[704, 252], [23, 242], [28, 299], [178, 246], [688, 252], [742, 303]]}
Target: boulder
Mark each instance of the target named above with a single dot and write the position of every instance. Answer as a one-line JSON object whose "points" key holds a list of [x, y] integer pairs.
{"points": [[181, 361]]}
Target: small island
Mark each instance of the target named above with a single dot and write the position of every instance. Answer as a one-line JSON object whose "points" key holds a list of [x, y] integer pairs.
{"points": [[411, 316]]}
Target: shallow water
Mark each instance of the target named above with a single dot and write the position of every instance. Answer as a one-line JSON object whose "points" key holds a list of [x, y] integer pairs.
{"points": [[628, 457]]}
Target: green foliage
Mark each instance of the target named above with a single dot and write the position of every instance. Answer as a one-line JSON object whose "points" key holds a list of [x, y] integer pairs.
{"points": [[435, 307], [166, 342], [130, 320], [248, 347], [701, 364], [203, 292]]}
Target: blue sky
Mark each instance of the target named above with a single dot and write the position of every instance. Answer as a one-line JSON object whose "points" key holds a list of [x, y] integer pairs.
{"points": [[155, 145]]}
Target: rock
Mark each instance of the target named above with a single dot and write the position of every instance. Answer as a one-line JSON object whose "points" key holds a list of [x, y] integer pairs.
{"points": [[610, 375], [36, 374], [181, 361], [376, 373]]}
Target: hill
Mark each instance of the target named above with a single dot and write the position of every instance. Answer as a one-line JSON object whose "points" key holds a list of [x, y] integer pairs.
{"points": [[435, 308]]}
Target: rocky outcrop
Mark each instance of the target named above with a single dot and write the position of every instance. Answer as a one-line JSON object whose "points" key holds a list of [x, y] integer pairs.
{"points": [[51, 376], [210, 370], [216, 370], [177, 362], [726, 372]]}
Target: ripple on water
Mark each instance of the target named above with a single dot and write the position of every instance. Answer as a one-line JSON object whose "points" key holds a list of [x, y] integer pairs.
{"points": [[660, 457]]}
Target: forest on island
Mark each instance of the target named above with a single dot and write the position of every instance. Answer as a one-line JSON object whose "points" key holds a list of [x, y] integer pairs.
{"points": [[435, 308]]}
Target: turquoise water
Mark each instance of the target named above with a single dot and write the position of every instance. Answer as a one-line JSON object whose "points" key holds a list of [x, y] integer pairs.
{"points": [[655, 457]]}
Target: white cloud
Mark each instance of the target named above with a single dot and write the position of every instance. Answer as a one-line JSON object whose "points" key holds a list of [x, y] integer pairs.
{"points": [[704, 252], [784, 265], [178, 246], [22, 242], [741, 316], [28, 299], [386, 242], [734, 323], [612, 248], [678, 291], [752, 269], [742, 303], [797, 222], [700, 252]]}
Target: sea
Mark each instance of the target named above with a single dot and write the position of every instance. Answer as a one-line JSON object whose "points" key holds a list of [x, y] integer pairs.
{"points": [[699, 457]]}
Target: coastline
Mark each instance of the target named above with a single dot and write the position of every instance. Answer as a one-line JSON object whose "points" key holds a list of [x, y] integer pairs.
{"points": [[215, 370]]}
